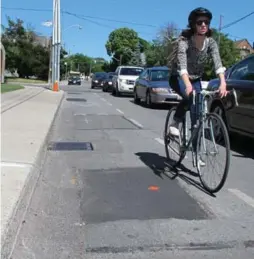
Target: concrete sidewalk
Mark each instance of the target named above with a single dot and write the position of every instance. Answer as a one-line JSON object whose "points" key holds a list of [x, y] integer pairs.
{"points": [[11, 99], [27, 116]]}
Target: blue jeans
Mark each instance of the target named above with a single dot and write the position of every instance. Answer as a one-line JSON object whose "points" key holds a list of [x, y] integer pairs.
{"points": [[186, 104]]}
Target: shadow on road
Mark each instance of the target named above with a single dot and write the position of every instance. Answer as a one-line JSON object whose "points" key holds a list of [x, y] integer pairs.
{"points": [[121, 95], [163, 167], [242, 145]]}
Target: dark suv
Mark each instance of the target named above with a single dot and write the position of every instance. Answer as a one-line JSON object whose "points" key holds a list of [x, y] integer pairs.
{"points": [[97, 79], [74, 80]]}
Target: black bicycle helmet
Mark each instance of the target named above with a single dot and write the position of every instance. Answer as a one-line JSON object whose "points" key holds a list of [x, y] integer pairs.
{"points": [[200, 11]]}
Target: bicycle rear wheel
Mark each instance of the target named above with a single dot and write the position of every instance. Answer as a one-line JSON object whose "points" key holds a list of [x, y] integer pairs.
{"points": [[214, 130], [173, 145]]}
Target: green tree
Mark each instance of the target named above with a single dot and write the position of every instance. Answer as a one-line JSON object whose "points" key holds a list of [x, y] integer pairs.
{"points": [[136, 56], [143, 44], [40, 66], [121, 44], [229, 54], [84, 64], [23, 53], [78, 62], [63, 53], [161, 47]]}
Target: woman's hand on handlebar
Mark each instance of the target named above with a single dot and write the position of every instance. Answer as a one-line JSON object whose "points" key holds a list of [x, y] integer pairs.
{"points": [[223, 90]]}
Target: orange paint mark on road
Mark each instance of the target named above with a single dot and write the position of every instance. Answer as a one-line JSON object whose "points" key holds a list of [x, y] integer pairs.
{"points": [[153, 188]]}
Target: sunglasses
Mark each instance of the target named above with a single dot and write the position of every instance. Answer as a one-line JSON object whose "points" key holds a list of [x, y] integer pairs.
{"points": [[200, 22]]}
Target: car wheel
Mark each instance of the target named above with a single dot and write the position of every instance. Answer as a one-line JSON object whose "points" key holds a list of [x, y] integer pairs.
{"points": [[218, 109], [118, 94], [148, 100], [136, 98]]}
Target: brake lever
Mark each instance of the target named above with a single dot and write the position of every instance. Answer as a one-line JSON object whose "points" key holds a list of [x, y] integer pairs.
{"points": [[235, 97]]}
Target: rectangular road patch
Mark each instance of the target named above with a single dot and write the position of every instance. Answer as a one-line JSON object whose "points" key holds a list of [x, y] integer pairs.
{"points": [[70, 146]]}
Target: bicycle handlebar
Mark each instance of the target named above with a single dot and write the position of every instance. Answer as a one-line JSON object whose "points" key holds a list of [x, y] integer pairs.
{"points": [[207, 93]]}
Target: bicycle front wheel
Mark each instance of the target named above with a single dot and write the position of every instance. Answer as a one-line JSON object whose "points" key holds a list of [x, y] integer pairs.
{"points": [[210, 153], [172, 143]]}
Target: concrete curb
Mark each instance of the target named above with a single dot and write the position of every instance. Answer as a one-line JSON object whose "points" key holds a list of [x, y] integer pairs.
{"points": [[17, 219]]}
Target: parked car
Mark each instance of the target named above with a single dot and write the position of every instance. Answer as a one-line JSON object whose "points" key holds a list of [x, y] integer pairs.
{"points": [[240, 77], [108, 82], [74, 80], [97, 79], [153, 87], [124, 79]]}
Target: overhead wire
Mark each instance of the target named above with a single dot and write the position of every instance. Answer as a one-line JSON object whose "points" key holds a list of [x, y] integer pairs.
{"points": [[89, 18]]}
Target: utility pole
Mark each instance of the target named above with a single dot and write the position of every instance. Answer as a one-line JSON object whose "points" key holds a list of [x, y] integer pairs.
{"points": [[56, 45], [220, 26], [121, 58], [50, 61]]}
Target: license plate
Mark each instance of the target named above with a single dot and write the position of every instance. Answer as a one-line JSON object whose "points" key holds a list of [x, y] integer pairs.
{"points": [[74, 82]]}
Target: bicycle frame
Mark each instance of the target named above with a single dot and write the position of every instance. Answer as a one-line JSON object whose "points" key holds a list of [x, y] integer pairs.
{"points": [[187, 143]]}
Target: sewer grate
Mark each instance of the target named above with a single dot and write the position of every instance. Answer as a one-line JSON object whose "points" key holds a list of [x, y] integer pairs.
{"points": [[70, 146], [76, 99]]}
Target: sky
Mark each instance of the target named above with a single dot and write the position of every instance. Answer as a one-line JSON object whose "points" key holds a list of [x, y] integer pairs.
{"points": [[91, 38]]}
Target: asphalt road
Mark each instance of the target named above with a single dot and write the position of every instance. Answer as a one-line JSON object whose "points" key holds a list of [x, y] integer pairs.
{"points": [[103, 194]]}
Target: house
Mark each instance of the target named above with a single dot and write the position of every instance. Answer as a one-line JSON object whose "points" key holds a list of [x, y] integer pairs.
{"points": [[42, 40], [245, 47]]}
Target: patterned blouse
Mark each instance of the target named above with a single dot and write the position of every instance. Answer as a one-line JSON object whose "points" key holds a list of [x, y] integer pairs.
{"points": [[191, 60]]}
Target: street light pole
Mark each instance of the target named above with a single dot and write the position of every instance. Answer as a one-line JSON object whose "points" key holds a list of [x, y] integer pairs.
{"points": [[56, 45], [220, 25]]}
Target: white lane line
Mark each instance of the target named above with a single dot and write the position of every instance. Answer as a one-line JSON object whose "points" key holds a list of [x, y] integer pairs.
{"points": [[159, 140], [102, 113], [136, 123], [86, 121], [120, 111], [244, 197], [104, 100], [95, 94], [79, 114], [19, 165]]}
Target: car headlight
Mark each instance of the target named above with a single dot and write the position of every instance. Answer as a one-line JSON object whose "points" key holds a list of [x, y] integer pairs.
{"points": [[160, 90], [122, 80], [96, 81], [110, 83]]}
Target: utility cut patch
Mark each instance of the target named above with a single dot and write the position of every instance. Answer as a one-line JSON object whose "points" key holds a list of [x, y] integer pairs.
{"points": [[70, 146], [76, 99]]}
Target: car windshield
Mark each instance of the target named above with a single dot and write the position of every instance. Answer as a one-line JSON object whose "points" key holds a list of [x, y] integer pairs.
{"points": [[109, 76], [131, 71], [75, 78], [159, 75], [100, 75]]}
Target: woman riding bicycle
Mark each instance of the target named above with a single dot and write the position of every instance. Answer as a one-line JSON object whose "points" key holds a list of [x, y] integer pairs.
{"points": [[195, 46]]}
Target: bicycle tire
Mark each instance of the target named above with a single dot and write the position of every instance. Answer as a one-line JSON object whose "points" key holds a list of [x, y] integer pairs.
{"points": [[224, 131], [181, 154]]}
